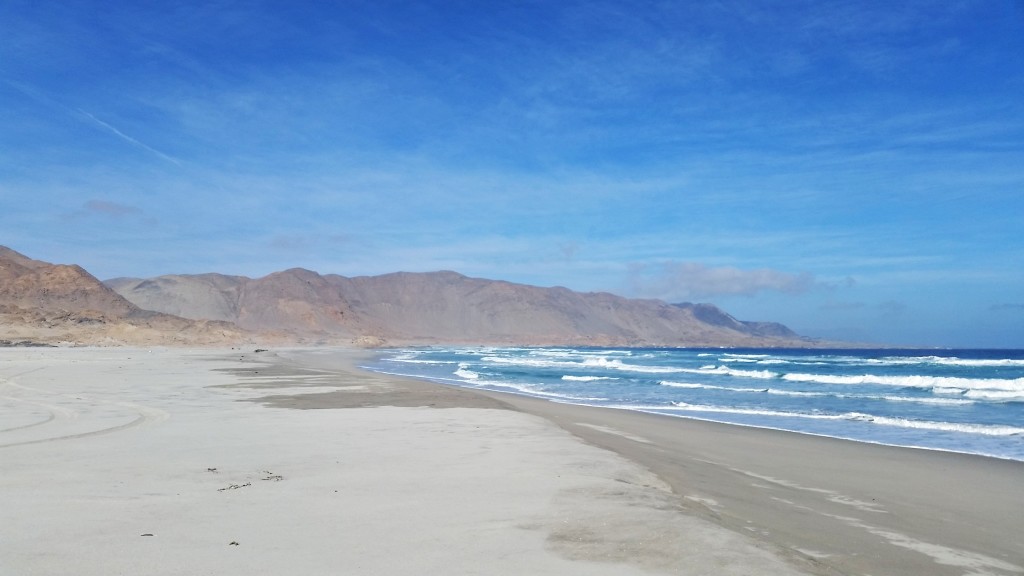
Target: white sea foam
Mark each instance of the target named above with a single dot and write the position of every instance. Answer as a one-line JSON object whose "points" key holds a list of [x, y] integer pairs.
{"points": [[418, 361], [615, 364], [996, 395], [593, 362], [805, 394], [917, 400], [554, 353], [414, 357], [981, 362], [568, 353], [526, 389], [948, 361], [687, 385], [531, 362], [710, 387], [464, 372], [988, 430], [769, 361], [534, 391], [799, 393], [747, 411], [912, 381], [726, 371], [919, 394]]}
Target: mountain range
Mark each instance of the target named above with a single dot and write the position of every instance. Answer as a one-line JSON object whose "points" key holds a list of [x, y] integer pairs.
{"points": [[49, 302], [55, 303]]}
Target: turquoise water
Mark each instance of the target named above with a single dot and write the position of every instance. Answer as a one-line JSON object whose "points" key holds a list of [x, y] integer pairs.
{"points": [[958, 400]]}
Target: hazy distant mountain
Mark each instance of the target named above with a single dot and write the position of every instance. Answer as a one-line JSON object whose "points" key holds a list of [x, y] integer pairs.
{"points": [[199, 297], [47, 302], [444, 307], [43, 302], [711, 314]]}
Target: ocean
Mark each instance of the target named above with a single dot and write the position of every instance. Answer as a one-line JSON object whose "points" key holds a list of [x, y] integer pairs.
{"points": [[969, 401]]}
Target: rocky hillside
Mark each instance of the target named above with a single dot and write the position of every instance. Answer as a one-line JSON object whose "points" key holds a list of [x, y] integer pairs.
{"points": [[43, 302], [49, 303], [443, 307], [710, 314]]}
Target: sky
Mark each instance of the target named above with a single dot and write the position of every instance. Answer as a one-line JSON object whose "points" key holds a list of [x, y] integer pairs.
{"points": [[852, 169]]}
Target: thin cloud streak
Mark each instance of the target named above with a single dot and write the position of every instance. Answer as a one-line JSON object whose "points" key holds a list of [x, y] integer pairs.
{"points": [[129, 139], [767, 153]]}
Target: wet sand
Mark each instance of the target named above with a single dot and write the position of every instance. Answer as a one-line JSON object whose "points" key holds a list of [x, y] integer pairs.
{"points": [[847, 507]]}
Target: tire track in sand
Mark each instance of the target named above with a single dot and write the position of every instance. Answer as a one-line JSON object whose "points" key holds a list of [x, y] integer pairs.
{"points": [[53, 412], [146, 415]]}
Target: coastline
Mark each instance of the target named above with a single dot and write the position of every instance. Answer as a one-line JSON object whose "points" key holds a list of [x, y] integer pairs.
{"points": [[847, 506], [167, 462], [855, 506], [296, 459], [964, 402]]}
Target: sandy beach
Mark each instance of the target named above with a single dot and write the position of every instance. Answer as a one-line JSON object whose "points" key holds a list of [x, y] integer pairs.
{"points": [[163, 461]]}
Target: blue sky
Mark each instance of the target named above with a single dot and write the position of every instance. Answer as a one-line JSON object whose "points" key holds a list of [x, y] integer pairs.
{"points": [[852, 169]]}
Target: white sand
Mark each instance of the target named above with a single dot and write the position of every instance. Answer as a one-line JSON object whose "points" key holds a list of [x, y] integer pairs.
{"points": [[128, 461]]}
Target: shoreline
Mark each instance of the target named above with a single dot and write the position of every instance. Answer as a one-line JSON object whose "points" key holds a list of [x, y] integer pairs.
{"points": [[455, 384], [959, 404], [168, 462], [297, 459], [886, 498]]}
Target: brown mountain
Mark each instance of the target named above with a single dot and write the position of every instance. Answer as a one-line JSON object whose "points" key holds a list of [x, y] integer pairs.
{"points": [[46, 302], [42, 302], [710, 314], [444, 307], [199, 297], [32, 284]]}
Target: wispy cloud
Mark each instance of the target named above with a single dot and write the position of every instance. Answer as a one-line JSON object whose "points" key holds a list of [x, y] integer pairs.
{"points": [[43, 99], [108, 210], [113, 217], [841, 306], [687, 280], [725, 149], [128, 138]]}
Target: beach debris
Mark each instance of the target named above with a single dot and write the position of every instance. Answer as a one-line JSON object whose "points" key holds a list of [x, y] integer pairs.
{"points": [[234, 486], [271, 476]]}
